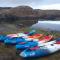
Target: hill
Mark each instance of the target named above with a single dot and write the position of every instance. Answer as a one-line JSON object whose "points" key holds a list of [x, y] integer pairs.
{"points": [[28, 13]]}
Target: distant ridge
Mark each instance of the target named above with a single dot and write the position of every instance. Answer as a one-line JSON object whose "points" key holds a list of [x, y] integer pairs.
{"points": [[27, 11]]}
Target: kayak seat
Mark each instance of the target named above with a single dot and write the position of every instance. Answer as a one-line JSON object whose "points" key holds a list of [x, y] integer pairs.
{"points": [[34, 48]]}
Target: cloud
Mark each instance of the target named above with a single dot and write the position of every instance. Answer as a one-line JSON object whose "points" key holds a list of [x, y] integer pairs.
{"points": [[41, 4], [48, 2], [51, 7], [19, 2]]}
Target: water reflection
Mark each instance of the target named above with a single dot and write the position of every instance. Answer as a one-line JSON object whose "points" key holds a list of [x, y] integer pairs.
{"points": [[47, 25]]}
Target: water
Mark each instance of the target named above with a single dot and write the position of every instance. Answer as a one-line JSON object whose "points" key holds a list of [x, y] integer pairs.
{"points": [[47, 25]]}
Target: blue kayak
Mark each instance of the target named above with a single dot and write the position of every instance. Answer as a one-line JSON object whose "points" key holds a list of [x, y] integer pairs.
{"points": [[2, 37], [26, 45], [14, 40], [32, 32], [57, 39], [34, 53], [46, 49]]}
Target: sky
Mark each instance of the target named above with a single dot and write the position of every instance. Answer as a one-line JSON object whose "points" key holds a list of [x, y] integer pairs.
{"points": [[54, 22], [36, 4]]}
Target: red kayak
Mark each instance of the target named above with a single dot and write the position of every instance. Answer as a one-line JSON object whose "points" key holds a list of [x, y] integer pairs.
{"points": [[36, 36], [46, 38]]}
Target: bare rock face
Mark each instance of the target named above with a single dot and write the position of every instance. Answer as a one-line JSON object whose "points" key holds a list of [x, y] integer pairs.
{"points": [[26, 11], [19, 11]]}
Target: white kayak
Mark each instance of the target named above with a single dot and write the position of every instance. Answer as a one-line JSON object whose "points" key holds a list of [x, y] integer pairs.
{"points": [[45, 49]]}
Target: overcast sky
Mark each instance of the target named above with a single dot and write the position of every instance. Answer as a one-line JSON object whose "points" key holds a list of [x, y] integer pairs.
{"points": [[36, 4]]}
